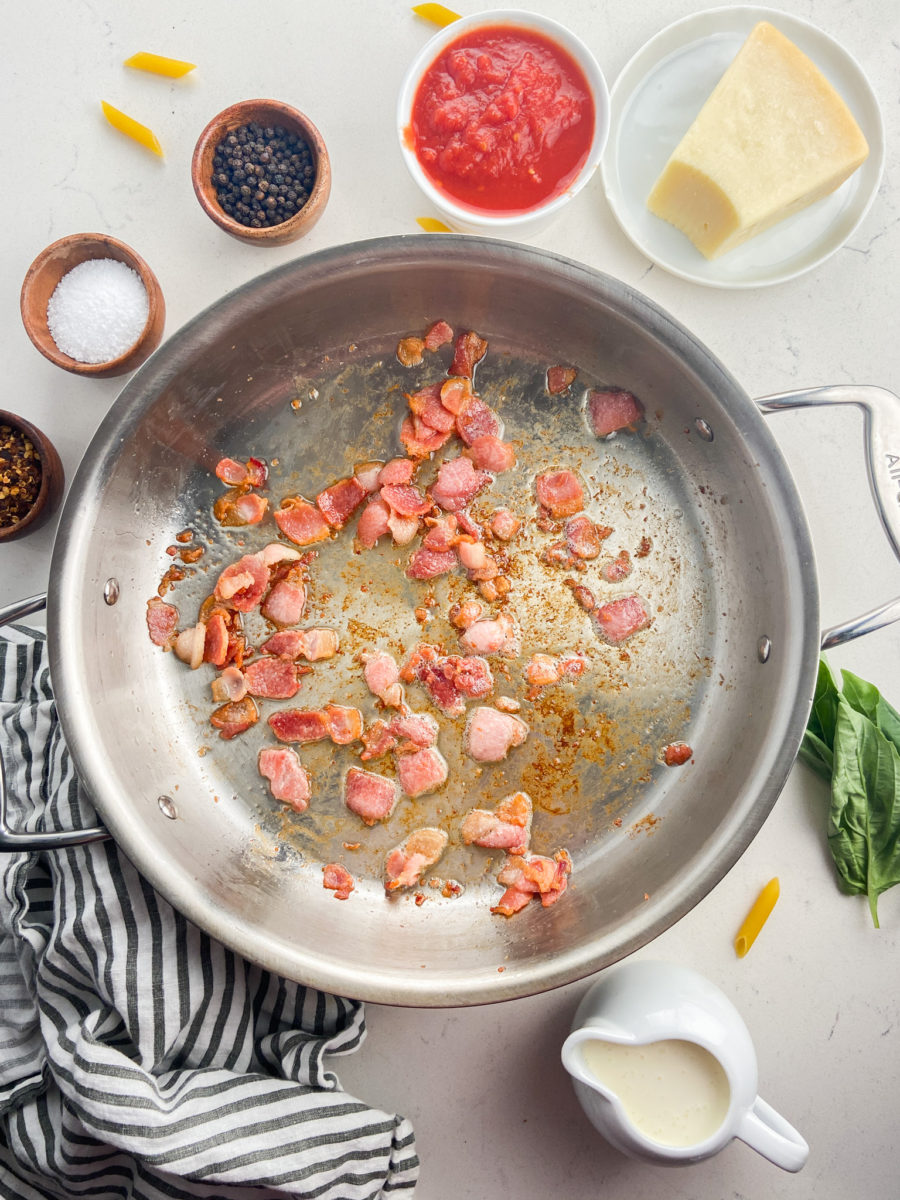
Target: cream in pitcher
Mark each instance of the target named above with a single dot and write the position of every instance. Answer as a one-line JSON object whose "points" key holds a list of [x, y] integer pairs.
{"points": [[664, 1067]]}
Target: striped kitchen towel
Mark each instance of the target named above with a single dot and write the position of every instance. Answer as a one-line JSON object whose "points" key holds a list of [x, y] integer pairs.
{"points": [[139, 1058]]}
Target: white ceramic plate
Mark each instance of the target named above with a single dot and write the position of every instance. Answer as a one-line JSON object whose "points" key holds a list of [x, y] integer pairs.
{"points": [[654, 101]]}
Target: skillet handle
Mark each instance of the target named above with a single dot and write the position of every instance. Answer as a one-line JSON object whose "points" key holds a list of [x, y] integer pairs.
{"points": [[881, 411], [54, 839]]}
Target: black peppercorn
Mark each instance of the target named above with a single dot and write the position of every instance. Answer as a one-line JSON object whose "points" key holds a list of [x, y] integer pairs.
{"points": [[262, 175]]}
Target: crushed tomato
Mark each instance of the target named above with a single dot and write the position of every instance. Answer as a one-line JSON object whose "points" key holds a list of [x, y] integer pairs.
{"points": [[502, 120]]}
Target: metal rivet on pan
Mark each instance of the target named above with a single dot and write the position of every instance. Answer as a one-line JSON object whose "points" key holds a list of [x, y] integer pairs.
{"points": [[167, 807], [763, 649], [111, 591], [704, 429]]}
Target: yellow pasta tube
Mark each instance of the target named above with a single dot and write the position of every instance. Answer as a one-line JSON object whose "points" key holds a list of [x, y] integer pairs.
{"points": [[132, 128], [432, 225], [756, 917], [158, 64], [436, 13]]}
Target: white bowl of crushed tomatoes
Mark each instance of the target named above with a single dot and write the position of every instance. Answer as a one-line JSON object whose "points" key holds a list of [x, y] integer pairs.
{"points": [[502, 118]]}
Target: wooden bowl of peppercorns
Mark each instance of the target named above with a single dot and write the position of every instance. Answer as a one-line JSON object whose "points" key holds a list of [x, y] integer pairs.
{"points": [[31, 477], [261, 171]]}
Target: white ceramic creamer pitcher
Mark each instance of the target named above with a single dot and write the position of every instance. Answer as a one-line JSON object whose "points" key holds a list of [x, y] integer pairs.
{"points": [[664, 1067]]}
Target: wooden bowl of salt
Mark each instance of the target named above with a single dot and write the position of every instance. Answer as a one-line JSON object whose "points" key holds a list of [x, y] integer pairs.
{"points": [[92, 306]]}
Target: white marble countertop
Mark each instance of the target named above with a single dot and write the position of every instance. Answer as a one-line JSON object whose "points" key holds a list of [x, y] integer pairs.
{"points": [[820, 991]]}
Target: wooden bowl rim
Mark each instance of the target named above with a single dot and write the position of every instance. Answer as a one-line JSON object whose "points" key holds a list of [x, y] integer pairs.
{"points": [[243, 112], [149, 337], [52, 474]]}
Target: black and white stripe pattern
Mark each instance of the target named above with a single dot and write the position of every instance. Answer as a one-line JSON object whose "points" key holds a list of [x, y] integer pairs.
{"points": [[138, 1058]]}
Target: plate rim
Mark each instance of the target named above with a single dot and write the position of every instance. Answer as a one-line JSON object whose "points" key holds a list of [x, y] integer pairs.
{"points": [[648, 57]]}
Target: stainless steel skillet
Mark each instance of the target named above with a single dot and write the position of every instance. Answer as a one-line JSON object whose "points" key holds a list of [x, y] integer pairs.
{"points": [[298, 367]]}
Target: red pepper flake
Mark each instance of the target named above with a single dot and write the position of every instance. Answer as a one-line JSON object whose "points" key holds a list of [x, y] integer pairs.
{"points": [[20, 475]]}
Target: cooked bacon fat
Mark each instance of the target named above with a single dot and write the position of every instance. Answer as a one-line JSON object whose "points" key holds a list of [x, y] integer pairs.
{"points": [[235, 717], [470, 350], [288, 778], [507, 828], [560, 378]]}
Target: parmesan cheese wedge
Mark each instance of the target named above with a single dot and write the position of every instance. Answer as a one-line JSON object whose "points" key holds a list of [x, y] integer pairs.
{"points": [[773, 137]]}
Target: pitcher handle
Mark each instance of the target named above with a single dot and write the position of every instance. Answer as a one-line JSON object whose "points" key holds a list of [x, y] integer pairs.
{"points": [[881, 411], [767, 1132], [52, 839]]}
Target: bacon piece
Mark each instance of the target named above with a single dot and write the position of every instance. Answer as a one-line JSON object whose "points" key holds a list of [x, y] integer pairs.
{"points": [[613, 409], [409, 351], [465, 613], [288, 778], [340, 501], [300, 725], [559, 379], [215, 646], [377, 740], [233, 718], [504, 524], [529, 876], [286, 601], [413, 731], [373, 522], [438, 334], [232, 472], [507, 828], [426, 405], [382, 676], [311, 644], [620, 619], [404, 865], [477, 420], [544, 669], [457, 483], [583, 595], [272, 678], [644, 547], [397, 471], [337, 879], [490, 734], [162, 619], [448, 680], [277, 553], [422, 771], [676, 754], [441, 535], [470, 349], [419, 440], [243, 583], [489, 453], [456, 394], [406, 499], [560, 492], [228, 685], [238, 508], [403, 529], [496, 635], [345, 725], [614, 570], [372, 797], [301, 521], [368, 475], [507, 704], [428, 564], [190, 644], [583, 538], [421, 655]]}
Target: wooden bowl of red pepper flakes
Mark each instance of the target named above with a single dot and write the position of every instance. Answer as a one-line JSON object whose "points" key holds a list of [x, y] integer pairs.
{"points": [[31, 477]]}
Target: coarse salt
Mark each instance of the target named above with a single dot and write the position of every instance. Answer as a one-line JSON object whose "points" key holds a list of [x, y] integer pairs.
{"points": [[98, 310]]}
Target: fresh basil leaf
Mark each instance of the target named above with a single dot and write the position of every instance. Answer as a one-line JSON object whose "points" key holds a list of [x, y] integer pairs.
{"points": [[818, 755], [864, 819], [824, 708], [866, 699]]}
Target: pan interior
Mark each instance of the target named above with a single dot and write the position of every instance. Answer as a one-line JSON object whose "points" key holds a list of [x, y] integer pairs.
{"points": [[300, 369]]}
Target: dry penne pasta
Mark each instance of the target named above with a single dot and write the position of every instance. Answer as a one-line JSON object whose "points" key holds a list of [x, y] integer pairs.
{"points": [[436, 13], [132, 128], [432, 225], [158, 64], [756, 917]]}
